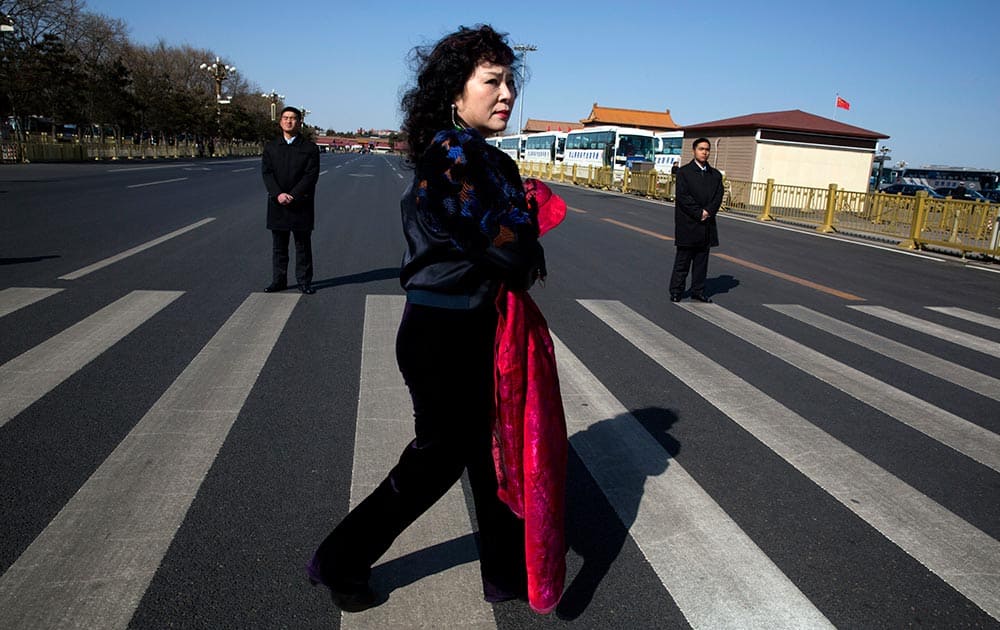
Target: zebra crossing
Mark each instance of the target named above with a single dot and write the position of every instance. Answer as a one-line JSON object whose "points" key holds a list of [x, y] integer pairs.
{"points": [[91, 565]]}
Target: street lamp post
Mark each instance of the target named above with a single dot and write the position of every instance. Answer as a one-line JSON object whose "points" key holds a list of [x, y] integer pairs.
{"points": [[524, 49], [274, 97], [219, 71]]}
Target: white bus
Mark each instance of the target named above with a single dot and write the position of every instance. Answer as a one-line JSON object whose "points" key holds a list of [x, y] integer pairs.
{"points": [[668, 150], [547, 146], [606, 145], [493, 141], [513, 146]]}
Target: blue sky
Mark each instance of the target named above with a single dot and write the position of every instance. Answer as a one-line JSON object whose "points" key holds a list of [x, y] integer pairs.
{"points": [[923, 72]]}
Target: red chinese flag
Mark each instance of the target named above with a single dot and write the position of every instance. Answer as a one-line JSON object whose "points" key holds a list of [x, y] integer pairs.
{"points": [[842, 104]]}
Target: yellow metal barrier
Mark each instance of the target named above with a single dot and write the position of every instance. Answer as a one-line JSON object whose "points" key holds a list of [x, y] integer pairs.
{"points": [[913, 222]]}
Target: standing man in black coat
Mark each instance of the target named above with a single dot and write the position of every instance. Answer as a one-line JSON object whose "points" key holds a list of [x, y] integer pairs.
{"points": [[291, 168], [699, 196]]}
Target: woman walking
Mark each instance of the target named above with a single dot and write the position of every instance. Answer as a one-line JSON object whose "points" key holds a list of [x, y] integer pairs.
{"points": [[468, 231]]}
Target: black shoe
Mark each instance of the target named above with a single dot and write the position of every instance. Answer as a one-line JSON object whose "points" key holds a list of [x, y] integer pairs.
{"points": [[674, 297], [700, 297], [307, 288], [359, 598], [274, 287]]}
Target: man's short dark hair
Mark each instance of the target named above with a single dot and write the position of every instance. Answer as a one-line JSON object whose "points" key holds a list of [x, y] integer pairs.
{"points": [[694, 145], [294, 110]]}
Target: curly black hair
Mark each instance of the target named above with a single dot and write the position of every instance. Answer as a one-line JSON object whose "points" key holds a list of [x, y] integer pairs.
{"points": [[442, 71]]}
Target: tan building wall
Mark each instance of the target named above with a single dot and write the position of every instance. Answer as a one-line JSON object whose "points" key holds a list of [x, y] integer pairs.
{"points": [[813, 167], [732, 153]]}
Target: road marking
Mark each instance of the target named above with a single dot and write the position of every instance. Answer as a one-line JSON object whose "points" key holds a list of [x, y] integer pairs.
{"points": [[26, 378], [968, 266], [662, 237], [800, 281], [452, 598], [250, 168], [970, 316], [967, 438], [324, 172], [923, 361], [162, 181], [960, 554], [577, 210], [746, 263], [91, 565], [360, 175], [717, 576], [240, 161], [148, 168], [972, 342], [14, 298], [79, 273]]}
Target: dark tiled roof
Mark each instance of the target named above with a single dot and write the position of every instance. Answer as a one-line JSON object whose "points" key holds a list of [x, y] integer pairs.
{"points": [[790, 120]]}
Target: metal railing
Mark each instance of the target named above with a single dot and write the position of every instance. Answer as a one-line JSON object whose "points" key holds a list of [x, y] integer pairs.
{"points": [[912, 222], [48, 151]]}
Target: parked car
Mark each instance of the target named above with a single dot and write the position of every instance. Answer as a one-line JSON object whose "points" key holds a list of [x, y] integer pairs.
{"points": [[911, 190], [970, 195], [993, 196]]}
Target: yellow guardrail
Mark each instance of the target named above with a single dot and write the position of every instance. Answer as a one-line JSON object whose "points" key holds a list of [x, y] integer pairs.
{"points": [[913, 222]]}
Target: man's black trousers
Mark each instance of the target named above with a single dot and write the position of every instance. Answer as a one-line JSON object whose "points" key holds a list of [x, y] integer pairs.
{"points": [[303, 256]]}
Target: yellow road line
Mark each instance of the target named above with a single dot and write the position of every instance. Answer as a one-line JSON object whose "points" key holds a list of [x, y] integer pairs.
{"points": [[746, 263]]}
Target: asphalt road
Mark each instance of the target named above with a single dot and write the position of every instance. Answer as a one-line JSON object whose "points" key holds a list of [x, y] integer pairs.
{"points": [[819, 447]]}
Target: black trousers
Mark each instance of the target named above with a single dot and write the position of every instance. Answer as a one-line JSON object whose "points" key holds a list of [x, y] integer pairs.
{"points": [[694, 259], [303, 256], [446, 358]]}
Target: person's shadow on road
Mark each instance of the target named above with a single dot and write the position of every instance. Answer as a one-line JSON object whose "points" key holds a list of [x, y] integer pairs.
{"points": [[595, 530], [372, 275], [720, 284]]}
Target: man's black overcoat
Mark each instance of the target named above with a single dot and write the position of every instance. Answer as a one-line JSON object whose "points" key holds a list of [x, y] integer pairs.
{"points": [[697, 190], [293, 169]]}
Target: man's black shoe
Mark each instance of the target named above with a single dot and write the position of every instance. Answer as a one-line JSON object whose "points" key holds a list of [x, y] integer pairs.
{"points": [[274, 287], [306, 288], [699, 297], [675, 298]]}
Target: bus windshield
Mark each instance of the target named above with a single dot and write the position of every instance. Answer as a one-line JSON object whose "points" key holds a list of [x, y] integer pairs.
{"points": [[631, 146]]}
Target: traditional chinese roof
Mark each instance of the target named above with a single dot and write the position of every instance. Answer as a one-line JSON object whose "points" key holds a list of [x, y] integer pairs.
{"points": [[654, 121], [536, 124], [790, 120]]}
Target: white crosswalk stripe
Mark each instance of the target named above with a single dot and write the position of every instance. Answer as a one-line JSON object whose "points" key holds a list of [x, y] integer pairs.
{"points": [[717, 576], [946, 370], [961, 313], [91, 565], [957, 337], [16, 298], [93, 562], [965, 437], [961, 555], [26, 378]]}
